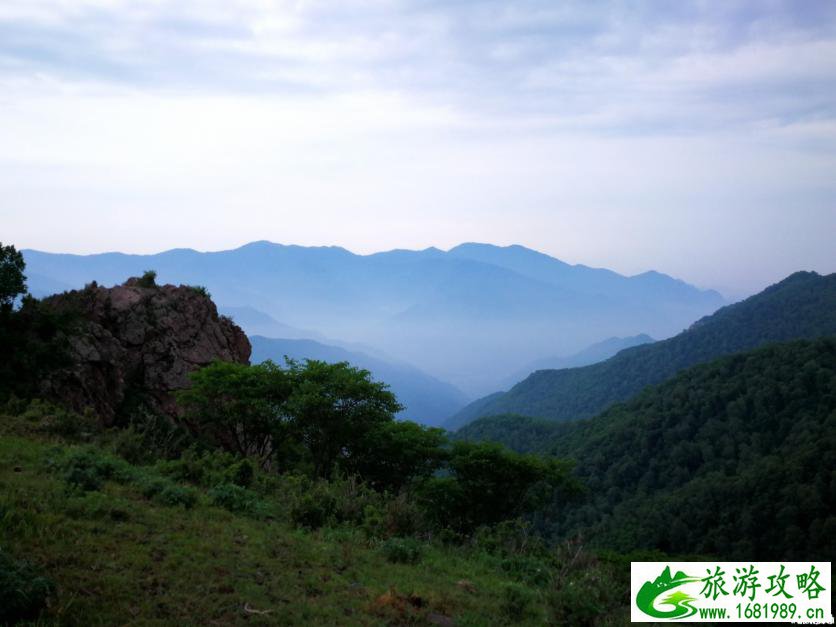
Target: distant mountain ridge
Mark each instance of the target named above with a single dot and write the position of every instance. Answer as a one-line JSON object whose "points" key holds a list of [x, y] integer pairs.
{"points": [[425, 399], [471, 315], [590, 355], [802, 306]]}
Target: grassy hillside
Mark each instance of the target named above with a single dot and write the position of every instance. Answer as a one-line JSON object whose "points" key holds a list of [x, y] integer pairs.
{"points": [[111, 542], [731, 458], [801, 306]]}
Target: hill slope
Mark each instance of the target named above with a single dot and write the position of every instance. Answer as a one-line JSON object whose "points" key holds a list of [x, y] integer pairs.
{"points": [[698, 463], [590, 355], [425, 399], [471, 315], [801, 306]]}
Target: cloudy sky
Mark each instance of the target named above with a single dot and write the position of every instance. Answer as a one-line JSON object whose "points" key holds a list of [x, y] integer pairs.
{"points": [[696, 138]]}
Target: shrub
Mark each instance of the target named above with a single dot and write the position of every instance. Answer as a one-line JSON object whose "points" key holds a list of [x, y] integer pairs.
{"points": [[241, 473], [201, 290], [233, 498], [39, 416], [97, 506], [527, 569], [588, 591], [403, 516], [518, 602], [315, 509], [148, 438], [402, 550], [24, 592], [148, 279], [88, 470], [208, 468], [510, 537], [165, 492]]}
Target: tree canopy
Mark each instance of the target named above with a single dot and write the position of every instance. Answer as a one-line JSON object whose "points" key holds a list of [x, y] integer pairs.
{"points": [[12, 278]]}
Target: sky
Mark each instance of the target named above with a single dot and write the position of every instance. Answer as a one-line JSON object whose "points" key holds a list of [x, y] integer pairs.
{"points": [[694, 138]]}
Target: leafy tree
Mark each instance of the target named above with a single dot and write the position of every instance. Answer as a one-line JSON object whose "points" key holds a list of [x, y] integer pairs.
{"points": [[239, 407], [33, 340], [148, 279], [489, 484], [396, 453], [12, 279], [332, 409]]}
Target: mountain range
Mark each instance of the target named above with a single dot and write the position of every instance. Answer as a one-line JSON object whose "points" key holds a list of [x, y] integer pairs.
{"points": [[472, 315], [801, 306]]}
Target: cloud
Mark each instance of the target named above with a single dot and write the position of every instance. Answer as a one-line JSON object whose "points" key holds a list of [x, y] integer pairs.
{"points": [[686, 136], [715, 63]]}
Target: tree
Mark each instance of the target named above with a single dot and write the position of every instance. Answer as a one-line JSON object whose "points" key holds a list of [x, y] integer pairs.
{"points": [[394, 454], [489, 483], [239, 407], [332, 410], [12, 279]]}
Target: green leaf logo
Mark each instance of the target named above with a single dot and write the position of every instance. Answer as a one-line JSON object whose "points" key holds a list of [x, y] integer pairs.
{"points": [[678, 600]]}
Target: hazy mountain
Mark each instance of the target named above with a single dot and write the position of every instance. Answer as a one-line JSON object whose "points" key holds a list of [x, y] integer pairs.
{"points": [[256, 322], [426, 399], [471, 315], [801, 306], [590, 355]]}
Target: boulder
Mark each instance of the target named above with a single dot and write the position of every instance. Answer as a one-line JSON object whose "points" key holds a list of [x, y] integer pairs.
{"points": [[136, 344]]}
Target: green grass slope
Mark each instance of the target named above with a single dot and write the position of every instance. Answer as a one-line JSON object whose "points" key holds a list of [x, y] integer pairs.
{"points": [[114, 543], [802, 306]]}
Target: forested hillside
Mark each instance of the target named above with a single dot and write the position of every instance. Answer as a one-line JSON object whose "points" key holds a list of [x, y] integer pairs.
{"points": [[730, 458], [520, 433], [801, 306]]}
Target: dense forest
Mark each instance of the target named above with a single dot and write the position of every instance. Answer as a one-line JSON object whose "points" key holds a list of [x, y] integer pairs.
{"points": [[731, 458], [801, 306], [519, 433]]}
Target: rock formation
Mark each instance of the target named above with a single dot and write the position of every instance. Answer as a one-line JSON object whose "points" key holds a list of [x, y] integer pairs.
{"points": [[136, 343]]}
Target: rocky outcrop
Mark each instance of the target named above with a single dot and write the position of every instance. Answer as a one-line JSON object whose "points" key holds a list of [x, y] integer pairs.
{"points": [[136, 343]]}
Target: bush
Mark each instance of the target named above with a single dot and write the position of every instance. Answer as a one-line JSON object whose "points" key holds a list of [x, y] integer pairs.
{"points": [[518, 602], [148, 438], [527, 569], [24, 592], [403, 516], [42, 417], [209, 468], [402, 550], [233, 498], [201, 290], [165, 492], [88, 470], [589, 591], [241, 473], [148, 279], [510, 537], [315, 509], [97, 506]]}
